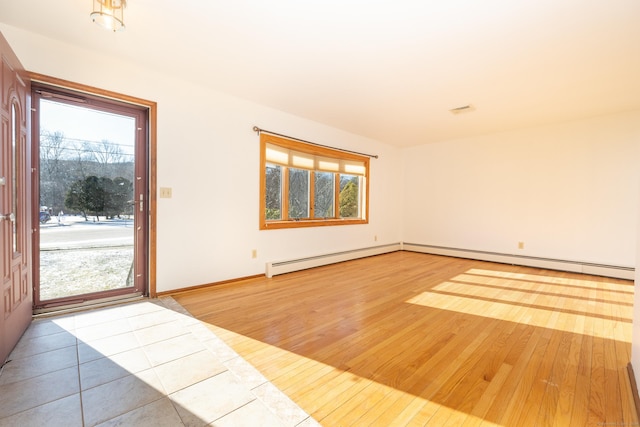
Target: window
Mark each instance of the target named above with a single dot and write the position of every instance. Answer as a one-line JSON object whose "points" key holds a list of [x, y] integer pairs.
{"points": [[304, 185]]}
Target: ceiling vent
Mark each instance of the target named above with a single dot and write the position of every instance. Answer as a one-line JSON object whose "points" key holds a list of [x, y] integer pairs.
{"points": [[464, 109]]}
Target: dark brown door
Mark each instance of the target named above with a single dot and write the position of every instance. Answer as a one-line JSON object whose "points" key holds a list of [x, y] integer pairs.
{"points": [[15, 202]]}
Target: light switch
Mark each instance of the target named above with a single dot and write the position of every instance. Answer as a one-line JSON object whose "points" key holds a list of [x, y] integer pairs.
{"points": [[165, 192]]}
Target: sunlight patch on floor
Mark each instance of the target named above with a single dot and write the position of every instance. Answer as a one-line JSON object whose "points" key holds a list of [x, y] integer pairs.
{"points": [[497, 305], [605, 284]]}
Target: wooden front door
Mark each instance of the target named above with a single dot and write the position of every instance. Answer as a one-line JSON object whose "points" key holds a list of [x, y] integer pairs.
{"points": [[15, 202]]}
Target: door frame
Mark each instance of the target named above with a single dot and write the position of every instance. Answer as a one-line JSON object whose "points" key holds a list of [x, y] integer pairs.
{"points": [[151, 106]]}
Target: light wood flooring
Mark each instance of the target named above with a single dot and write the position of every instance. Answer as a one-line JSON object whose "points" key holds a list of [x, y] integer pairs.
{"points": [[415, 339]]}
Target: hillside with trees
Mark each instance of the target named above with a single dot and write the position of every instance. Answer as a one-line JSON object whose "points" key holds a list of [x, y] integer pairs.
{"points": [[84, 177]]}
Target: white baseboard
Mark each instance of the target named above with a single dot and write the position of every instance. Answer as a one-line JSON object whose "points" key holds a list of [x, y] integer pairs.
{"points": [[281, 267], [619, 272]]}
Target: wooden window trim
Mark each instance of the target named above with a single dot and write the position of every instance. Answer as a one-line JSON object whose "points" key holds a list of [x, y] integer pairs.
{"points": [[309, 222]]}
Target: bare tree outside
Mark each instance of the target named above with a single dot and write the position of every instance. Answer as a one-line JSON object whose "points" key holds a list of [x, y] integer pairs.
{"points": [[324, 195], [53, 153], [104, 153], [65, 161]]}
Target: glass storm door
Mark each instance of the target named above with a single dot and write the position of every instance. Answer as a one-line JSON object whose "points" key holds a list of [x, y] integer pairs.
{"points": [[92, 211]]}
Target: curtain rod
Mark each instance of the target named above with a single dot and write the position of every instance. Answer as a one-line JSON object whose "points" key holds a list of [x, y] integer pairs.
{"points": [[259, 131]]}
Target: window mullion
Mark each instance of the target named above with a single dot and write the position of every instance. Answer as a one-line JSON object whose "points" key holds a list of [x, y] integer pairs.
{"points": [[285, 193], [312, 194], [336, 212]]}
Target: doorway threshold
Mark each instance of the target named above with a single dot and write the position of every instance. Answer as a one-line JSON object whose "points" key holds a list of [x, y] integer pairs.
{"points": [[87, 305]]}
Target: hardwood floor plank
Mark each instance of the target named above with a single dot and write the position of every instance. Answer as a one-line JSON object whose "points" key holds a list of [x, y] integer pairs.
{"points": [[365, 402], [629, 413], [508, 404], [539, 381], [414, 339], [551, 398], [597, 411], [580, 414], [345, 391], [567, 385], [488, 396]]}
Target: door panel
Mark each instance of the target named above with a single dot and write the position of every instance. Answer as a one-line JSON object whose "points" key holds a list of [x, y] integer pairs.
{"points": [[15, 202], [91, 193]]}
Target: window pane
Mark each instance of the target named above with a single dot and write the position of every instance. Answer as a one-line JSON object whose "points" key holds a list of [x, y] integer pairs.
{"points": [[324, 195], [308, 182], [15, 173], [273, 205], [349, 196], [298, 193], [277, 155]]}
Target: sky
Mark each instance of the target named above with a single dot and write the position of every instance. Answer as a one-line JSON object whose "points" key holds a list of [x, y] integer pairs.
{"points": [[81, 123]]}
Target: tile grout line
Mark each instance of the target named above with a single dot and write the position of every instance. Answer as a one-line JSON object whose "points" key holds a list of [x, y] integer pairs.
{"points": [[262, 390], [79, 383], [141, 346]]}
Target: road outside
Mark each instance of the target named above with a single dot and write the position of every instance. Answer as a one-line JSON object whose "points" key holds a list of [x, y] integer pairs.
{"points": [[78, 256]]}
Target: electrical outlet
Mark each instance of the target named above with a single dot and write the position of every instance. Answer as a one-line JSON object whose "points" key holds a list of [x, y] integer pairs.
{"points": [[254, 253], [520, 245], [165, 192], [375, 238]]}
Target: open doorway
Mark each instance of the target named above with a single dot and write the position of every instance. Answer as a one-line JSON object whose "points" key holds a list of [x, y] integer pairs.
{"points": [[92, 191]]}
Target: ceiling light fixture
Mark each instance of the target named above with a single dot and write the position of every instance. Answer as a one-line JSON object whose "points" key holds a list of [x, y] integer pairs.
{"points": [[109, 14]]}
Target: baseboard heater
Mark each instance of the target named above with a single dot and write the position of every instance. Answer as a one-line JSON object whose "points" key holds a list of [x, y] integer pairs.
{"points": [[627, 273], [275, 268]]}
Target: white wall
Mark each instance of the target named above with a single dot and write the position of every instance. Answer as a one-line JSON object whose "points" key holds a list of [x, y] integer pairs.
{"points": [[209, 155], [568, 191]]}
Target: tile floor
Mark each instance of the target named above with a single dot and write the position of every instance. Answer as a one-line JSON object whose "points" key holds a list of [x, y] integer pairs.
{"points": [[142, 364]]}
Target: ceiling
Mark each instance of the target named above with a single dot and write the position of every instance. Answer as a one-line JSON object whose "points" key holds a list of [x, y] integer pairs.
{"points": [[386, 69]]}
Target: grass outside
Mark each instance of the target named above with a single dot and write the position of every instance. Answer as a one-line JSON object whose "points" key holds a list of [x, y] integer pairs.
{"points": [[68, 272]]}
